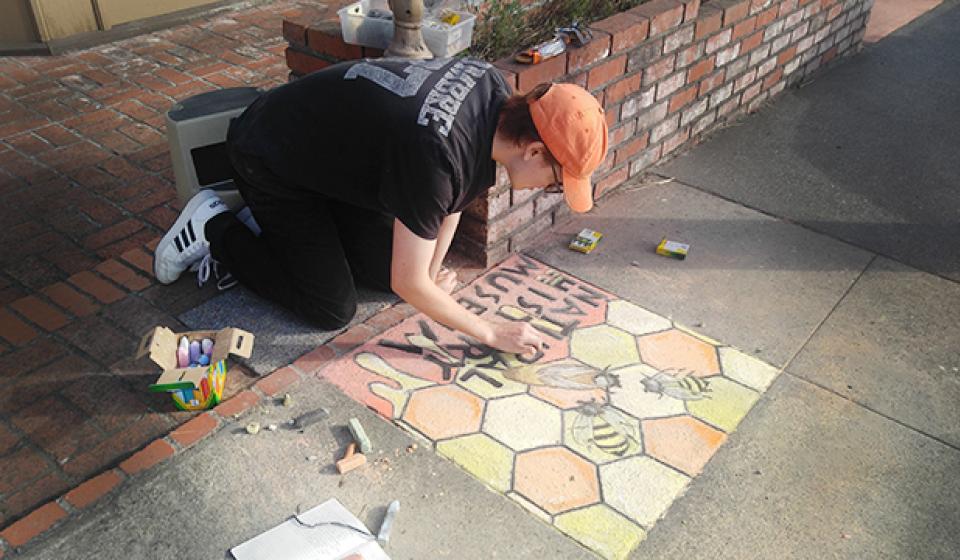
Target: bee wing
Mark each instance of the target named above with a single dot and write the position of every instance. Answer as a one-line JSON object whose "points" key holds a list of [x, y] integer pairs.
{"points": [[581, 428], [569, 375], [616, 418], [662, 378], [678, 392], [523, 374], [675, 373]]}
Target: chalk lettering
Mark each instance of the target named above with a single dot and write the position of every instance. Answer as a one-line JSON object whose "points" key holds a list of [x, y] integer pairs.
{"points": [[544, 295], [524, 267], [588, 296], [472, 306], [494, 278], [482, 294], [556, 280], [523, 303], [570, 309]]}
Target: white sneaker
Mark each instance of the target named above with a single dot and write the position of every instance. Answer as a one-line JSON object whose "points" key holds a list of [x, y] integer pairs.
{"points": [[186, 243], [207, 267]]}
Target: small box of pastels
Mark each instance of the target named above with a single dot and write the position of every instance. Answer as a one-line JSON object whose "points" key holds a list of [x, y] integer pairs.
{"points": [[194, 363]]}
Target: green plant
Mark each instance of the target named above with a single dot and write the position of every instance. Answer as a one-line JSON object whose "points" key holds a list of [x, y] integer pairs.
{"points": [[505, 26]]}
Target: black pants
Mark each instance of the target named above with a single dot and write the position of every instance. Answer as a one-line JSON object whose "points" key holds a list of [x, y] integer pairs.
{"points": [[312, 251]]}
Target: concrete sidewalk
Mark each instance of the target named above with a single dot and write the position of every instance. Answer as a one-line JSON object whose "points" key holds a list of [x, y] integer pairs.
{"points": [[852, 453]]}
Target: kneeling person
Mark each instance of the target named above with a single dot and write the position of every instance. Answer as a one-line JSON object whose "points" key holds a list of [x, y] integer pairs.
{"points": [[358, 173]]}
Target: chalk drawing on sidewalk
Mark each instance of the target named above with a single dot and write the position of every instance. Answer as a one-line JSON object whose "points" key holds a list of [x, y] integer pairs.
{"points": [[597, 434]]}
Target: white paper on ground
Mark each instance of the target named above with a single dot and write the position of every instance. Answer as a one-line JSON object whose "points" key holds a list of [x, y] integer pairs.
{"points": [[291, 540]]}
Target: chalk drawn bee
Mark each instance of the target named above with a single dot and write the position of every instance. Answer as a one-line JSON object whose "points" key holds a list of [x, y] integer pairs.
{"points": [[564, 375], [678, 384], [604, 427]]}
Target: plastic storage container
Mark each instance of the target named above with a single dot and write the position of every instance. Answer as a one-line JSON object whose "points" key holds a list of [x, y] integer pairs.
{"points": [[443, 40]]}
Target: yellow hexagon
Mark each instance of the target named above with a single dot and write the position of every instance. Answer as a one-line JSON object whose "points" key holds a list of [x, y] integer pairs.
{"points": [[602, 530], [604, 346], [481, 456], [726, 406]]}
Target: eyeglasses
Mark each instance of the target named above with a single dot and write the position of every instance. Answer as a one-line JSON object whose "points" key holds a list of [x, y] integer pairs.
{"points": [[557, 186]]}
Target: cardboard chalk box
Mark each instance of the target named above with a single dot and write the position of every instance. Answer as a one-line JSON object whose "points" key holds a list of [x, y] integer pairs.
{"points": [[193, 388]]}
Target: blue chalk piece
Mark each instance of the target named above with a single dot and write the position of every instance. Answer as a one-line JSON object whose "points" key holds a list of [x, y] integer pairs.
{"points": [[194, 351], [204, 360]]}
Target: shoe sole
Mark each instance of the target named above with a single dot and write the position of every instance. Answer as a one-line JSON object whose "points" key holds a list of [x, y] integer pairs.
{"points": [[188, 211]]}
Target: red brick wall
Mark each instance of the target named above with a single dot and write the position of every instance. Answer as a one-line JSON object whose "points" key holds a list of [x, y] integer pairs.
{"points": [[668, 72]]}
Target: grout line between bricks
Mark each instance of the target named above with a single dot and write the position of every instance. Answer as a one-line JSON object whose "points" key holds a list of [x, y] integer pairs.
{"points": [[221, 422]]}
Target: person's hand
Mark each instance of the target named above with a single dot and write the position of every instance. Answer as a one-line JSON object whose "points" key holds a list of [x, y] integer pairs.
{"points": [[516, 338], [446, 280]]}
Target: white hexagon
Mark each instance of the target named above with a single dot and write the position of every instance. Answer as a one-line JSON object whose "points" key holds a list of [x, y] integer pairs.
{"points": [[523, 422], [746, 369], [604, 346], [641, 488], [635, 319], [631, 396]]}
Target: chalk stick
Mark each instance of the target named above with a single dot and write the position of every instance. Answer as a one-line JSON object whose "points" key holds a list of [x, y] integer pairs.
{"points": [[360, 436], [351, 462], [383, 536], [309, 418]]}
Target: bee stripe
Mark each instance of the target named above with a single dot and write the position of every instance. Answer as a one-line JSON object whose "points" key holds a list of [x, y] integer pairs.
{"points": [[620, 449], [602, 436], [693, 384]]}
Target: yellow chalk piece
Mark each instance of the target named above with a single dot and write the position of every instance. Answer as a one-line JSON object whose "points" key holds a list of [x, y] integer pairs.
{"points": [[585, 241], [450, 18], [673, 249]]}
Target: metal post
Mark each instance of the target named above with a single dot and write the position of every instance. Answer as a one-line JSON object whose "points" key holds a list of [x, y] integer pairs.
{"points": [[407, 38]]}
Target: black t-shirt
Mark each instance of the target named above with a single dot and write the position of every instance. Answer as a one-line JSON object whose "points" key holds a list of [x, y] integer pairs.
{"points": [[412, 139]]}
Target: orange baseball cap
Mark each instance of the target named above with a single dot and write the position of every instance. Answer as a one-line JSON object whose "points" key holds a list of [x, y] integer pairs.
{"points": [[572, 125]]}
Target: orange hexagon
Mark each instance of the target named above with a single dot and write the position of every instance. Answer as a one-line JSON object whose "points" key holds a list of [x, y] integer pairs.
{"points": [[674, 349], [444, 411], [683, 442], [556, 479]]}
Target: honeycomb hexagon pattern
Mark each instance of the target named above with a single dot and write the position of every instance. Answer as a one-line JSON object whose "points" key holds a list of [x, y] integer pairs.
{"points": [[597, 434]]}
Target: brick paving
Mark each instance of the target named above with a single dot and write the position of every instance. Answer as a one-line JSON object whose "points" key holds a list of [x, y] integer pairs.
{"points": [[86, 190]]}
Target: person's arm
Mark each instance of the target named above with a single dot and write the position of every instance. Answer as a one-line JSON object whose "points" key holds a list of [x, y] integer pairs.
{"points": [[447, 228], [410, 279]]}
